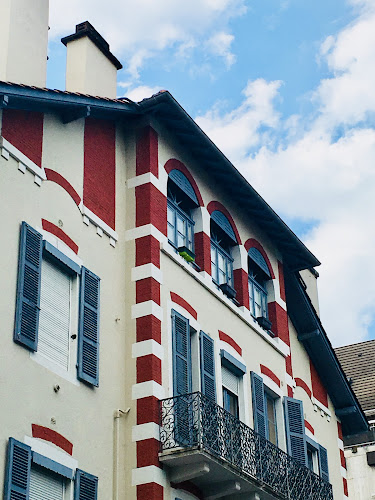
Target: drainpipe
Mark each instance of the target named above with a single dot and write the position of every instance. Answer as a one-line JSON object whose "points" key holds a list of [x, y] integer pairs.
{"points": [[116, 445]]}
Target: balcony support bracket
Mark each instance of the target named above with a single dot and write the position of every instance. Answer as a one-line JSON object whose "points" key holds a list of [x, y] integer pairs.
{"points": [[188, 472], [223, 489]]}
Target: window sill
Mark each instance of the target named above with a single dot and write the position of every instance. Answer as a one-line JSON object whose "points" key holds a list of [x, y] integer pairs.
{"points": [[54, 368], [243, 313]]}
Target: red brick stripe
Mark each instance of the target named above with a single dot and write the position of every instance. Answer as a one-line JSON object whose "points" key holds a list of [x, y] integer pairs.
{"points": [[148, 368], [61, 181], [147, 152], [182, 302], [318, 389], [147, 410], [148, 289], [59, 233], [148, 328], [345, 484], [147, 251], [225, 338], [342, 458], [203, 251], [150, 491], [304, 386], [309, 426], [148, 453], [339, 431], [151, 207], [281, 280], [241, 285], [52, 436], [270, 374], [290, 391], [279, 318]]}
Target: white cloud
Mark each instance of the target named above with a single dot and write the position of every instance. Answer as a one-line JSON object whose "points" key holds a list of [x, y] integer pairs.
{"points": [[138, 93], [322, 169], [137, 31], [219, 45]]}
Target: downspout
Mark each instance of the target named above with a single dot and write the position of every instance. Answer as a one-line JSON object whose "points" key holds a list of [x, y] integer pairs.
{"points": [[116, 446]]}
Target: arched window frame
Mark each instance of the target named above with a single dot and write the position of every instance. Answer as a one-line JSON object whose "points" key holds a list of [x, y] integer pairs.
{"points": [[219, 253], [260, 274], [257, 295]]}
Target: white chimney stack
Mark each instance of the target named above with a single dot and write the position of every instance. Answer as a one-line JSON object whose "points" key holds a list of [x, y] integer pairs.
{"points": [[24, 41], [90, 66]]}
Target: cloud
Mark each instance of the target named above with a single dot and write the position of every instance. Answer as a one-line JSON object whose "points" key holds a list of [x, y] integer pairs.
{"points": [[320, 168], [138, 93], [138, 31], [219, 45]]}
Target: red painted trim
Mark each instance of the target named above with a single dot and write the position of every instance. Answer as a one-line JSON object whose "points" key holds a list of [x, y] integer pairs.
{"points": [[216, 205], [147, 251], [345, 485], [148, 453], [288, 366], [40, 432], [290, 391], [147, 155], [151, 207], [24, 130], [61, 181], [182, 302], [309, 426], [281, 280], [343, 459], [147, 289], [339, 431], [174, 164], [318, 389], [304, 386], [99, 173], [252, 242], [148, 410], [59, 233], [203, 251], [241, 285], [150, 491], [148, 368], [279, 318], [225, 338], [148, 328], [270, 374]]}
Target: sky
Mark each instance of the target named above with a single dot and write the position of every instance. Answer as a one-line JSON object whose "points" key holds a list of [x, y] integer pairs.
{"points": [[286, 89]]}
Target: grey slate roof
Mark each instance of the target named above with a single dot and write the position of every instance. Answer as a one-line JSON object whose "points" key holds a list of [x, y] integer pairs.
{"points": [[358, 363]]}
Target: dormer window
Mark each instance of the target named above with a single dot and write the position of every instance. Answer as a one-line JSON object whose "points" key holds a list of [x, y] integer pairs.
{"points": [[222, 240], [258, 276], [181, 202]]}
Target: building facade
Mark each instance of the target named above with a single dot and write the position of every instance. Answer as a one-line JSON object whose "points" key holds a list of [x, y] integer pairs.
{"points": [[160, 336]]}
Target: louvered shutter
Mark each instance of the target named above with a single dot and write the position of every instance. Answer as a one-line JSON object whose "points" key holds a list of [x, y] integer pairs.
{"points": [[28, 288], [88, 328], [85, 486], [45, 485], [259, 404], [54, 320], [17, 478], [181, 354], [207, 357], [323, 463], [295, 429]]}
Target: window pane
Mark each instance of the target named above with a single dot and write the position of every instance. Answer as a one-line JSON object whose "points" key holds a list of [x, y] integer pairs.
{"points": [[181, 224], [222, 263], [271, 418], [222, 277], [170, 217], [171, 234], [180, 240]]}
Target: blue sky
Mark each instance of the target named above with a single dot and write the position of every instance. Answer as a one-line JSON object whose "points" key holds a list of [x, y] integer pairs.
{"points": [[285, 89]]}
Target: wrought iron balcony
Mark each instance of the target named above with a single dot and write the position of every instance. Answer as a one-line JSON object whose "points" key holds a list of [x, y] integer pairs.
{"points": [[194, 426]]}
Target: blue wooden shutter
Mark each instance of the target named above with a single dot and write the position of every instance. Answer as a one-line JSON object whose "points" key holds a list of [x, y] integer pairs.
{"points": [[181, 354], [323, 463], [259, 404], [88, 328], [207, 356], [85, 486], [295, 429], [17, 475], [28, 288]]}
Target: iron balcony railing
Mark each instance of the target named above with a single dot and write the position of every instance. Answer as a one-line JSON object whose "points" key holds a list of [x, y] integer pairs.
{"points": [[193, 421]]}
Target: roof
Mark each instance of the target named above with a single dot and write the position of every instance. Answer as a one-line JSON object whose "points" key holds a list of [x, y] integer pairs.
{"points": [[358, 363], [174, 118], [314, 339]]}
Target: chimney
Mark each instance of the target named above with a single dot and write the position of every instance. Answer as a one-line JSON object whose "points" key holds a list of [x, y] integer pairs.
{"points": [[23, 41], [90, 66]]}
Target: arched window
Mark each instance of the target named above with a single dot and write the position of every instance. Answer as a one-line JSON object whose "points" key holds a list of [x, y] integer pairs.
{"points": [[181, 202], [223, 239], [259, 274]]}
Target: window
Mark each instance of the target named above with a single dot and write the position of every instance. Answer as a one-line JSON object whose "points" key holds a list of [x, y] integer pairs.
{"points": [[271, 434], [32, 476], [259, 274], [232, 372], [181, 201], [230, 402], [221, 261], [43, 307], [312, 458]]}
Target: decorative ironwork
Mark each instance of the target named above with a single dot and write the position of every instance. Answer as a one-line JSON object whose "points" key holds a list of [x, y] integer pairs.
{"points": [[194, 421]]}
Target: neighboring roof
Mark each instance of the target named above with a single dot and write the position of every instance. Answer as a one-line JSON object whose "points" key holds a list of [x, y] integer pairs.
{"points": [[314, 339], [358, 363]]}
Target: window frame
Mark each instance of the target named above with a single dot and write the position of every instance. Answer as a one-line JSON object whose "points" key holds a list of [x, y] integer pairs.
{"points": [[254, 286], [188, 224], [269, 397], [217, 249]]}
